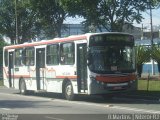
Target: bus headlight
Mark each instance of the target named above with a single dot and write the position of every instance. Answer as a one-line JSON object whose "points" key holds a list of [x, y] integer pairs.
{"points": [[131, 81]]}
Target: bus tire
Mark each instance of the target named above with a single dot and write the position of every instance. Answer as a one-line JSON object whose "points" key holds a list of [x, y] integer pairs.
{"points": [[23, 90], [68, 91]]}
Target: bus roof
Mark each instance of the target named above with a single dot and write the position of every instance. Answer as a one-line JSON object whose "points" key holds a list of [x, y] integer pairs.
{"points": [[59, 40], [45, 42]]}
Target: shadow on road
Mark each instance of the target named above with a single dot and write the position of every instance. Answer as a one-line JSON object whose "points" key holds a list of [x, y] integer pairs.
{"points": [[138, 97]]}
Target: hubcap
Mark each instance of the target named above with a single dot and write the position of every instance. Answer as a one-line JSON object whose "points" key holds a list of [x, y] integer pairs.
{"points": [[69, 90], [22, 88]]}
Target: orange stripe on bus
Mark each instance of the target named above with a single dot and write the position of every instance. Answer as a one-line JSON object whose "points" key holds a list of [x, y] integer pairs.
{"points": [[70, 77], [19, 76], [115, 79]]}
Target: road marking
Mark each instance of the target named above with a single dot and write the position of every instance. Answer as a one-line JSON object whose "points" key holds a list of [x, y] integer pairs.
{"points": [[23, 96], [112, 106], [5, 108], [53, 118], [83, 103], [136, 109]]}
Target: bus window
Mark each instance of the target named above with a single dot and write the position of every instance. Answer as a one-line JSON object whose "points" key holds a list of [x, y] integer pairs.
{"points": [[53, 54], [67, 54], [28, 56], [18, 57], [110, 53]]}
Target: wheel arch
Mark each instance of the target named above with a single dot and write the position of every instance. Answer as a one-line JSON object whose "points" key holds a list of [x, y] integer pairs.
{"points": [[64, 83], [20, 80]]}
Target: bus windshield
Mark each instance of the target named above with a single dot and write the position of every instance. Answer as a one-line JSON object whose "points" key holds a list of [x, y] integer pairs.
{"points": [[115, 54]]}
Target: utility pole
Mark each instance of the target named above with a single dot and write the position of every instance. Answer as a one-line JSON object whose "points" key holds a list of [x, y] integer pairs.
{"points": [[142, 32], [150, 8], [16, 39]]}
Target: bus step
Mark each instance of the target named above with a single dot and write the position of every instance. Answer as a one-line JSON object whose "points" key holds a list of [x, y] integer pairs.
{"points": [[40, 91], [84, 91]]}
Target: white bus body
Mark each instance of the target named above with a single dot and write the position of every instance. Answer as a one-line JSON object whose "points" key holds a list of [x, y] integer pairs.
{"points": [[65, 65]]}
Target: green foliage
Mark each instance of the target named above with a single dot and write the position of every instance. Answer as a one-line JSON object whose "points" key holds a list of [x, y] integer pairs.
{"points": [[109, 14], [50, 15], [45, 17], [42, 18], [155, 54], [12, 12], [154, 85], [1, 82], [142, 56], [7, 19]]}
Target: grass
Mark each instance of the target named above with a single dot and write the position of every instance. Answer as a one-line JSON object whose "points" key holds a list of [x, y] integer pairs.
{"points": [[1, 82], [149, 88], [151, 85]]}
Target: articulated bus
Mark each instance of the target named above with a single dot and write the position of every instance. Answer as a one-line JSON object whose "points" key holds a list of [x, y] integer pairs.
{"points": [[93, 63]]}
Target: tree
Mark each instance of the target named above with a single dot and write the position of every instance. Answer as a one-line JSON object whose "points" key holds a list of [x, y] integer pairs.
{"points": [[155, 54], [14, 12], [142, 56], [7, 19], [109, 14], [50, 15], [26, 21]]}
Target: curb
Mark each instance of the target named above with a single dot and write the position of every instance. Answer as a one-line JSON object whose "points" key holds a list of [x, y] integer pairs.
{"points": [[141, 97]]}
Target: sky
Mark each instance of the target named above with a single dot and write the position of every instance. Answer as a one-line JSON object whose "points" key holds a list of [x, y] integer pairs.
{"points": [[145, 21]]}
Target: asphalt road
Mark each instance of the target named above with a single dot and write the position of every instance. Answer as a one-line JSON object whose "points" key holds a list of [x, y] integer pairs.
{"points": [[48, 106]]}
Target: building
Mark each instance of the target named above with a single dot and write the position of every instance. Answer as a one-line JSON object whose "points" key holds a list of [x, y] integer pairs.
{"points": [[71, 29], [76, 29]]}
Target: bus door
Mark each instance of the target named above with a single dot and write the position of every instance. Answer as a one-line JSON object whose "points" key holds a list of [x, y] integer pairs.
{"points": [[40, 66], [11, 71], [82, 67]]}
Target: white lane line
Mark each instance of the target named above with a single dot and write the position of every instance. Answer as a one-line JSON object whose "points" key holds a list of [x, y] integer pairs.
{"points": [[23, 96], [112, 106], [53, 118], [136, 109], [5, 108]]}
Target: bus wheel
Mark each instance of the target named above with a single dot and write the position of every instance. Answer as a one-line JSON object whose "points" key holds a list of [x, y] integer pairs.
{"points": [[23, 89], [68, 91]]}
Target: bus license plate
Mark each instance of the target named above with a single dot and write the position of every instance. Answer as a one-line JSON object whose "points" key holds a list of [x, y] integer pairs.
{"points": [[117, 88], [113, 68]]}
